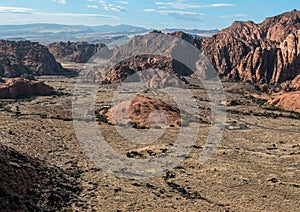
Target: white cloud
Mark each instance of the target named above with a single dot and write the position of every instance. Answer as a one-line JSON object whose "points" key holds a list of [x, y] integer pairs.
{"points": [[60, 1], [179, 14], [21, 10], [234, 16], [15, 10], [221, 5], [150, 10], [168, 12], [122, 2], [162, 7], [118, 8], [76, 15], [183, 10], [112, 7], [182, 5], [91, 6], [178, 5]]}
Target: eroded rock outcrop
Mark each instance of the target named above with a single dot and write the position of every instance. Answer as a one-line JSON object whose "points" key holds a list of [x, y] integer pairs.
{"points": [[295, 84], [22, 87], [154, 65], [279, 27], [79, 52], [257, 53], [17, 58], [143, 112], [266, 53], [287, 101]]}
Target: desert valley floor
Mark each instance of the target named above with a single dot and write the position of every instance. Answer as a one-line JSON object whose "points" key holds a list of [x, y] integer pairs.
{"points": [[255, 167]]}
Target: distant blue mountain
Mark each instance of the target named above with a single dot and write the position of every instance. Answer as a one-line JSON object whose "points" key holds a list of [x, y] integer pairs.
{"points": [[49, 33]]}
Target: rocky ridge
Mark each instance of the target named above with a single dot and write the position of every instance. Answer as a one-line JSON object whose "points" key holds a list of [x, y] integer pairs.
{"points": [[149, 63], [288, 101], [17, 58], [257, 53], [265, 53], [28, 184], [79, 52]]}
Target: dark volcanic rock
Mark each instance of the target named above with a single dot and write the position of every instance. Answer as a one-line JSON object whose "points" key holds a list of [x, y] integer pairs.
{"points": [[22, 87], [79, 52], [17, 58], [28, 184]]}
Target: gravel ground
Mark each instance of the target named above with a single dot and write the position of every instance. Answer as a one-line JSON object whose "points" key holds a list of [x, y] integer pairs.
{"points": [[255, 168]]}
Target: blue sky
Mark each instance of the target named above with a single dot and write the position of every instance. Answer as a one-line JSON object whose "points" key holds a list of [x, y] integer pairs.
{"points": [[160, 14]]}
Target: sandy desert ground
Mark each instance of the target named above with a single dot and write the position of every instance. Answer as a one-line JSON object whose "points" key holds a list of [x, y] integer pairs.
{"points": [[255, 167]]}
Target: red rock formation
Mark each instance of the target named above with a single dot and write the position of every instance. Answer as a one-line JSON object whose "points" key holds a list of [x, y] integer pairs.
{"points": [[279, 27], [288, 101], [140, 110], [189, 38], [79, 52], [266, 53], [257, 53], [151, 63], [21, 87], [296, 83], [17, 58]]}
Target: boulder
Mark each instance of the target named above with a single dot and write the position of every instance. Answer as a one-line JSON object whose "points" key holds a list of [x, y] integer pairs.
{"points": [[287, 101], [143, 112], [22, 87]]}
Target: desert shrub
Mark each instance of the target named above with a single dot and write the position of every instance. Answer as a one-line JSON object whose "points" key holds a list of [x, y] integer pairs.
{"points": [[258, 101], [102, 118], [43, 116], [76, 173]]}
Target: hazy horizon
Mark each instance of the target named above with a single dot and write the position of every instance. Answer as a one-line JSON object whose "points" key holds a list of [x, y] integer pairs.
{"points": [[186, 14]]}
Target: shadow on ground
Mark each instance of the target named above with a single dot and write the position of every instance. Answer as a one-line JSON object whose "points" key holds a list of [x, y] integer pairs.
{"points": [[28, 184]]}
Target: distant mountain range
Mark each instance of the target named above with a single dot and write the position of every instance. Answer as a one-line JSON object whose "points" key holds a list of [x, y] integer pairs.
{"points": [[49, 33], [196, 32], [264, 53]]}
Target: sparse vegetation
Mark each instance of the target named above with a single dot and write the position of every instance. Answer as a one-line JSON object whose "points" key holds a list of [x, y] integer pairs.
{"points": [[100, 114], [258, 101], [76, 173]]}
